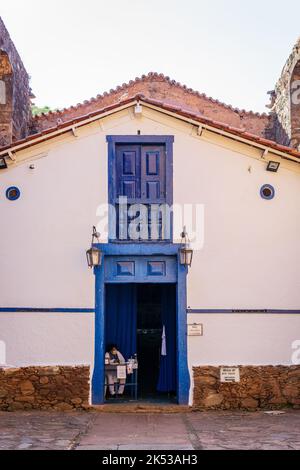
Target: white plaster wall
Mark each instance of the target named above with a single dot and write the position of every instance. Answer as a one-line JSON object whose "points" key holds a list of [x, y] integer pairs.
{"points": [[44, 235], [251, 253], [48, 338], [250, 258], [242, 339]]}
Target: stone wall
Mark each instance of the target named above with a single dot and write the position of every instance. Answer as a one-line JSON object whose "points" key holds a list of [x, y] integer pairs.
{"points": [[285, 103], [45, 388], [15, 100], [265, 387]]}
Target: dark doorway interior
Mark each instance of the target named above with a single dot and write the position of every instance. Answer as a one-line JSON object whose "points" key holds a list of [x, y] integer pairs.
{"points": [[149, 338], [135, 317]]}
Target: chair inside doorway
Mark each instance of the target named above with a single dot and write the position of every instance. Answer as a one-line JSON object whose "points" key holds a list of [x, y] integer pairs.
{"points": [[141, 320]]}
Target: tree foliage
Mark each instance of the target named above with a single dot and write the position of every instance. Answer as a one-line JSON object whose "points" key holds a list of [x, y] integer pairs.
{"points": [[37, 111]]}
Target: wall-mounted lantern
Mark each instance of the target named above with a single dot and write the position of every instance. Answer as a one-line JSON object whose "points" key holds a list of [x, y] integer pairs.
{"points": [[138, 110], [273, 166], [186, 252], [94, 255], [3, 164]]}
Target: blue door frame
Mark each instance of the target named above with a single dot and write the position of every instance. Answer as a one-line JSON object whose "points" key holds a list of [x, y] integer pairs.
{"points": [[147, 252]]}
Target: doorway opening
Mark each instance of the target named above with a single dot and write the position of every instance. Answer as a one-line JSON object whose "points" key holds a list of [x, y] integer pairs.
{"points": [[141, 320]]}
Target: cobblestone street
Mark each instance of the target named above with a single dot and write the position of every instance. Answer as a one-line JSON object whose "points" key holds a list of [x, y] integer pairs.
{"points": [[122, 431]]}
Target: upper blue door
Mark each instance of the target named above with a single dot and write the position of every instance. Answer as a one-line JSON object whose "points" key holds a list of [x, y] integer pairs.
{"points": [[153, 174], [141, 178], [128, 172], [141, 173]]}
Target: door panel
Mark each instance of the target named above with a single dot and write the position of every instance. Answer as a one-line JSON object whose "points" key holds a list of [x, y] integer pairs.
{"points": [[153, 173], [141, 177], [128, 269], [128, 169], [141, 173]]}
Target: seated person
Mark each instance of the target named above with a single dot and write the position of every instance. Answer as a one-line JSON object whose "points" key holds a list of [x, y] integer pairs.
{"points": [[113, 356]]}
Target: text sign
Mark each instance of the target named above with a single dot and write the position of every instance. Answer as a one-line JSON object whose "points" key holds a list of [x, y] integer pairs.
{"points": [[195, 329], [230, 375], [121, 372]]}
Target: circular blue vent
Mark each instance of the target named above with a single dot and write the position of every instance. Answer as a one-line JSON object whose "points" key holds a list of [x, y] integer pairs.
{"points": [[13, 193], [267, 192]]}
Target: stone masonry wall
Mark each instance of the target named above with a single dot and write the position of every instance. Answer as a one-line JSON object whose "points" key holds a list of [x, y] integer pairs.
{"points": [[45, 388], [15, 110], [265, 387], [285, 107]]}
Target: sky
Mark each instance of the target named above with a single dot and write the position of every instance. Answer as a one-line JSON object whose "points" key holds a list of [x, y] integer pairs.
{"points": [[232, 50]]}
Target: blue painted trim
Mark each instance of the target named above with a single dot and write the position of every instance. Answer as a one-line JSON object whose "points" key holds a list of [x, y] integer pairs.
{"points": [[16, 197], [243, 312], [139, 249], [183, 375], [98, 374], [113, 140], [140, 139], [189, 311], [271, 188], [45, 310], [113, 249]]}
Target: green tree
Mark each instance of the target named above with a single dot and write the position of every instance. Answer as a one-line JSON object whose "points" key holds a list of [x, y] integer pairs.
{"points": [[37, 111]]}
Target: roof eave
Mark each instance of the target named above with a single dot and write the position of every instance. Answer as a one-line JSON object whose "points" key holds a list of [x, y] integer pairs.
{"points": [[174, 111]]}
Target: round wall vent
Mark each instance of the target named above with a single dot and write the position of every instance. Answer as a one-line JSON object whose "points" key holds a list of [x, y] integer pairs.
{"points": [[267, 192]]}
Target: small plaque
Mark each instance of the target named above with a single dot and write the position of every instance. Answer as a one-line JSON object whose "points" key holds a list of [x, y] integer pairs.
{"points": [[121, 372], [195, 329], [230, 375]]}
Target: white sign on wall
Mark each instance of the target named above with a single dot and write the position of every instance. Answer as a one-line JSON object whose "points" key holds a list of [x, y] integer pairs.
{"points": [[230, 375], [195, 329], [121, 372], [2, 353]]}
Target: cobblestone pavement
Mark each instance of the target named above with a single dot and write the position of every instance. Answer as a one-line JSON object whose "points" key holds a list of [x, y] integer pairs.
{"points": [[117, 431]]}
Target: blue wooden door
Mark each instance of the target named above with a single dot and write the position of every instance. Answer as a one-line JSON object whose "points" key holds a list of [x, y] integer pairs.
{"points": [[128, 172], [153, 174], [141, 177], [141, 173]]}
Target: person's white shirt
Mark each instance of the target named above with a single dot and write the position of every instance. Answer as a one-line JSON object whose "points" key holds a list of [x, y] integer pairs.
{"points": [[120, 358]]}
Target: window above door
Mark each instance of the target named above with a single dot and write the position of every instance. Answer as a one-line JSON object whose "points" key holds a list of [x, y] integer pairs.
{"points": [[140, 188]]}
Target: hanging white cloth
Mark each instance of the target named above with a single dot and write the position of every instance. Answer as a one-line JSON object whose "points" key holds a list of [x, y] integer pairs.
{"points": [[164, 343]]}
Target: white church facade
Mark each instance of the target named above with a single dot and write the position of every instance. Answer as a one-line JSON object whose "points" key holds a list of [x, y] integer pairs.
{"points": [[235, 304]]}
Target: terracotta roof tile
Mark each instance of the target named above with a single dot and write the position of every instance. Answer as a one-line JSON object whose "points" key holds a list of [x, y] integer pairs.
{"points": [[29, 141], [158, 86]]}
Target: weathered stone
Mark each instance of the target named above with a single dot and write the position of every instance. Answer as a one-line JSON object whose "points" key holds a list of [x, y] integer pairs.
{"points": [[30, 388], [27, 388], [76, 401], [44, 380], [3, 393], [207, 380], [24, 399], [285, 105], [44, 392], [259, 387], [213, 400], [292, 391], [250, 403], [9, 372], [15, 109], [63, 407], [49, 371], [294, 374], [34, 378], [16, 406]]}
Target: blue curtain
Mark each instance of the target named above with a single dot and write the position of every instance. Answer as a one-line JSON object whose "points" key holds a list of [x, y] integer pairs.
{"points": [[120, 321], [167, 372]]}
